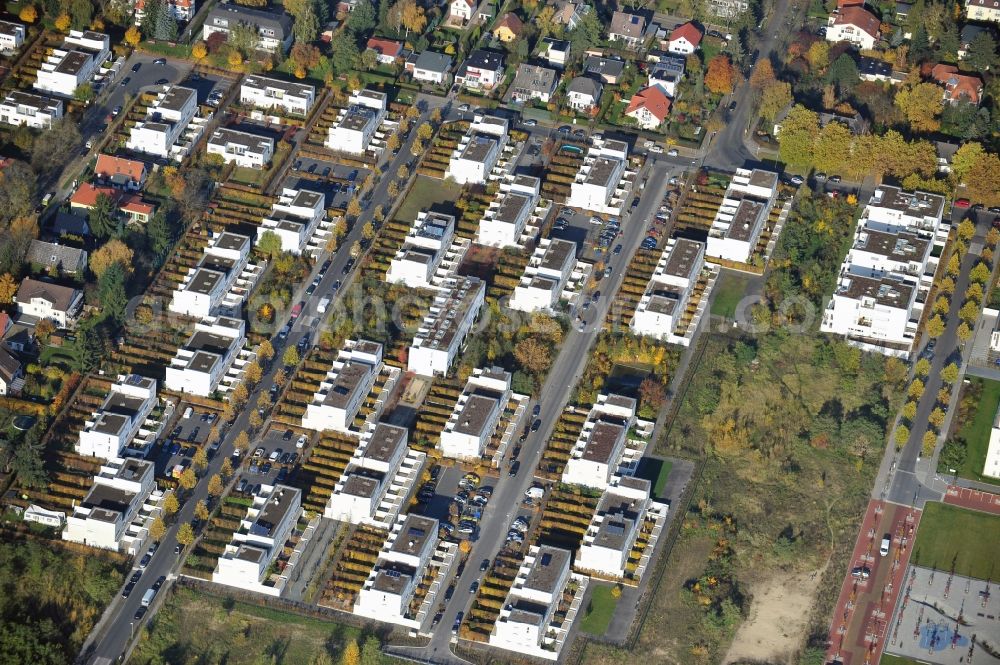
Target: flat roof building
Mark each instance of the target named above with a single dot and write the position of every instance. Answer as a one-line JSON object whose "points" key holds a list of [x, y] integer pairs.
{"points": [[35, 111], [114, 514], [742, 215], [476, 415], [599, 449], [669, 290], [598, 186], [241, 148], [351, 377], [110, 429], [473, 160], [423, 248], [546, 276], [294, 218], [443, 330], [509, 213], [270, 93], [221, 281], [357, 124], [200, 365]]}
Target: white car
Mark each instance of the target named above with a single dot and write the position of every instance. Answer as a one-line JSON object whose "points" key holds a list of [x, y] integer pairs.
{"points": [[672, 152], [301, 443], [656, 149], [884, 547]]}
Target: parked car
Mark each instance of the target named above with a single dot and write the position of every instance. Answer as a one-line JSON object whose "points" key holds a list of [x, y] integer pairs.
{"points": [[514, 468], [796, 180], [672, 152], [962, 203], [474, 587], [484, 566], [301, 441], [258, 453], [160, 61]]}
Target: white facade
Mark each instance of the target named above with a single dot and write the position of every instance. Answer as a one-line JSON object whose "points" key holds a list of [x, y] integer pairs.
{"points": [[476, 414], [74, 63], [42, 300], [598, 185], [545, 277], [241, 148], [423, 248], [598, 451], [170, 126], [341, 393], [667, 74], [201, 363], [983, 10], [356, 125], [115, 512], [35, 111], [443, 330], [877, 302], [853, 24], [222, 279], [268, 524], [742, 215], [612, 532], [112, 427], [400, 567], [269, 93], [478, 152], [11, 36], [991, 467], [669, 290], [509, 213], [294, 218]]}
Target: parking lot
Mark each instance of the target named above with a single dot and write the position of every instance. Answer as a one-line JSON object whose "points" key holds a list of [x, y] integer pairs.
{"points": [[182, 440], [337, 181], [272, 459]]}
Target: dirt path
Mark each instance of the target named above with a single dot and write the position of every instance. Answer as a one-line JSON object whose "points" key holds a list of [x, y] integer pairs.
{"points": [[779, 619]]}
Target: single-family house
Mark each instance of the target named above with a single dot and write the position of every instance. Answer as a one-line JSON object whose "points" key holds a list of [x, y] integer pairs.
{"points": [[983, 10], [667, 74], [35, 111], [127, 174], [269, 93], [508, 28], [274, 29], [460, 12], [482, 70], [51, 256], [853, 24], [241, 148], [11, 36], [958, 87], [609, 70], [556, 52], [630, 29], [387, 51], [532, 82], [684, 39], [583, 93], [649, 107], [10, 373], [180, 10], [131, 205], [873, 69], [45, 300], [429, 67], [568, 12]]}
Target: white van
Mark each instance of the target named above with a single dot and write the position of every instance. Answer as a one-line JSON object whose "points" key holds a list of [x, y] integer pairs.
{"points": [[884, 548], [147, 597], [187, 412], [323, 304]]}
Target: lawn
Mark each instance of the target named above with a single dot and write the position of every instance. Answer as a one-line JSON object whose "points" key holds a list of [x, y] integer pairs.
{"points": [[728, 293], [51, 354], [948, 535], [975, 433], [194, 627], [888, 659], [599, 611], [656, 471], [425, 193]]}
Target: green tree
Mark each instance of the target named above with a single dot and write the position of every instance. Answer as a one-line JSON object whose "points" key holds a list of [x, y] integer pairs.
{"points": [[909, 411], [344, 55], [103, 218], [160, 235], [797, 138], [185, 534], [982, 52], [244, 39], [921, 104], [843, 73], [111, 290], [371, 651], [922, 367], [916, 389], [949, 373], [290, 358], [269, 244], [929, 442], [969, 311], [774, 98], [362, 18], [82, 13], [902, 435]]}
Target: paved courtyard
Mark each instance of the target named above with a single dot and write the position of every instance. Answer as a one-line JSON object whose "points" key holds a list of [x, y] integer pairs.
{"points": [[946, 619]]}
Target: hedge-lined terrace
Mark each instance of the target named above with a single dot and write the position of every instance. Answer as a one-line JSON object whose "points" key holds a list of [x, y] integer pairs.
{"points": [[637, 275], [560, 444], [219, 533], [434, 413], [436, 159], [322, 469], [356, 559], [489, 600], [566, 516]]}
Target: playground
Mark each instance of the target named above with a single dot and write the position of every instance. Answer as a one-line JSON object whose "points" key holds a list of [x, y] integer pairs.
{"points": [[946, 618]]}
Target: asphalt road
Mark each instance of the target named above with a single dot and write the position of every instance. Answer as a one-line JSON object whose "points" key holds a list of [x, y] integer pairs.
{"points": [[565, 372], [118, 626]]}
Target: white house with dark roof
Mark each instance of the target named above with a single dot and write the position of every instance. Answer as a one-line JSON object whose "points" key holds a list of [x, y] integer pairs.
{"points": [[422, 251], [482, 70], [460, 12], [45, 300], [222, 280], [669, 290], [35, 111], [442, 332], [983, 10], [742, 215], [74, 63], [510, 212], [584, 93], [118, 508], [11, 373], [111, 428], [11, 36], [341, 392], [429, 67], [171, 125], [202, 362], [270, 93], [556, 52], [256, 544], [599, 185], [274, 29], [294, 217], [356, 125], [600, 448], [244, 149], [473, 160], [476, 415], [532, 82]]}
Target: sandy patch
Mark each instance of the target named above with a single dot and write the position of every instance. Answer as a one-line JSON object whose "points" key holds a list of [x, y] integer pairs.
{"points": [[779, 619]]}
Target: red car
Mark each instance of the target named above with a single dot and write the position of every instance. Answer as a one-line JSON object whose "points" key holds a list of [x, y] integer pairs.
{"points": [[298, 309], [962, 203]]}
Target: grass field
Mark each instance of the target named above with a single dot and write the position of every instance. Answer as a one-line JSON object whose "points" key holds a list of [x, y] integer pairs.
{"points": [[728, 293], [656, 471], [950, 534], [194, 627], [976, 431], [425, 193], [599, 612], [888, 659]]}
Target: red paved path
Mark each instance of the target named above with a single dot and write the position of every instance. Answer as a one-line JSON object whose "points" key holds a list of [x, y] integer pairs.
{"points": [[864, 608], [973, 499]]}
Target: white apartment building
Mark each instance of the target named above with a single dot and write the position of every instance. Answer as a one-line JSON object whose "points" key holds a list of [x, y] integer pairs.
{"points": [[262, 535], [666, 298], [526, 624], [479, 151], [341, 393], [112, 427], [294, 218], [742, 215], [613, 530], [509, 213], [274, 28], [115, 513], [11, 36], [598, 451], [443, 330], [74, 63], [222, 279], [598, 184], [201, 363], [546, 276], [170, 126], [402, 563], [357, 124], [377, 480], [270, 93], [35, 111], [887, 272], [423, 248], [476, 415], [241, 148], [991, 467]]}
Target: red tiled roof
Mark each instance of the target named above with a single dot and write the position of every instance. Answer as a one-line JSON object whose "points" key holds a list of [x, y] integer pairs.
{"points": [[108, 166], [136, 206], [860, 18], [957, 85], [652, 99], [511, 21], [688, 31], [86, 195], [850, 3], [141, 4], [385, 46]]}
